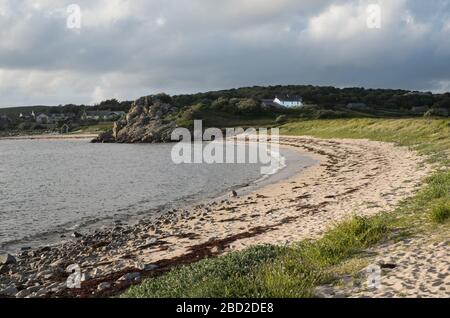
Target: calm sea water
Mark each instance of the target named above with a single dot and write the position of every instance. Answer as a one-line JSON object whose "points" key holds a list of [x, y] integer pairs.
{"points": [[49, 187]]}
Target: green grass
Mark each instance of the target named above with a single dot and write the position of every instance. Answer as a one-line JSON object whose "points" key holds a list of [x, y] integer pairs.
{"points": [[267, 271], [440, 212], [294, 271], [430, 137]]}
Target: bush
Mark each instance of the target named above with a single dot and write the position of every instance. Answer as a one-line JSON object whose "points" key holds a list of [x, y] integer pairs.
{"points": [[231, 275], [440, 212], [248, 106]]}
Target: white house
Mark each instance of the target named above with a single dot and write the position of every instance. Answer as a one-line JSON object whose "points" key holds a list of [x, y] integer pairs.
{"points": [[288, 101]]}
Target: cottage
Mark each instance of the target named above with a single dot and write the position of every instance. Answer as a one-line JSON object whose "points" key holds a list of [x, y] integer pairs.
{"points": [[289, 101], [65, 129], [284, 101], [27, 117]]}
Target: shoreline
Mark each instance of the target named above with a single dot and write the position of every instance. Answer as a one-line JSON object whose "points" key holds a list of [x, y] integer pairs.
{"points": [[56, 236], [352, 174], [49, 136]]}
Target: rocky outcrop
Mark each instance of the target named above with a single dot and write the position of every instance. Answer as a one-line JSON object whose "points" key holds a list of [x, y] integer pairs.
{"points": [[148, 121]]}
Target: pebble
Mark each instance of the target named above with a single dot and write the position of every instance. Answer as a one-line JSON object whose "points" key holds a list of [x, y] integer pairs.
{"points": [[9, 291], [130, 277], [76, 235], [103, 286], [7, 259]]}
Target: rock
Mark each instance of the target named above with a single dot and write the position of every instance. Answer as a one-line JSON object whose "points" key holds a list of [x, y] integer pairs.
{"points": [[9, 291], [40, 293], [76, 235], [152, 240], [23, 293], [130, 277], [144, 123], [85, 277], [146, 267], [7, 259], [233, 194], [57, 263], [103, 286]]}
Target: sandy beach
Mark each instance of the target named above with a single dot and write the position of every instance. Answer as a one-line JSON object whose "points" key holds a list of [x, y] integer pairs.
{"points": [[354, 177]]}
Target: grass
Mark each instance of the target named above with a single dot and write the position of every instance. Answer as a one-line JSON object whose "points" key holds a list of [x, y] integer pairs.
{"points": [[430, 137], [440, 212], [268, 271]]}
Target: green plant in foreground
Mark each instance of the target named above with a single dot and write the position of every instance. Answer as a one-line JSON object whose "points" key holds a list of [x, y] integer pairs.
{"points": [[267, 271], [440, 212]]}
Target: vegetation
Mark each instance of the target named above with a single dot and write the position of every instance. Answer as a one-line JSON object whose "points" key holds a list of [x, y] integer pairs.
{"points": [[440, 212], [430, 137], [226, 107], [268, 271]]}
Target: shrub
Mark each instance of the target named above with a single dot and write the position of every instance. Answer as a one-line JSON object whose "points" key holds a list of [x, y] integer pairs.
{"points": [[440, 212]]}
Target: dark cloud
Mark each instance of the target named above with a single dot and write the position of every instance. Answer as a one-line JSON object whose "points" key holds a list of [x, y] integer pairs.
{"points": [[125, 49]]}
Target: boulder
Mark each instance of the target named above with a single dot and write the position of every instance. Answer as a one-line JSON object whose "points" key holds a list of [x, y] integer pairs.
{"points": [[103, 286], [130, 277], [9, 291], [146, 122], [6, 259]]}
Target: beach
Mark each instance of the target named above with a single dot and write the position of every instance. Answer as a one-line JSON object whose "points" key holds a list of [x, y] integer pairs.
{"points": [[353, 177]]}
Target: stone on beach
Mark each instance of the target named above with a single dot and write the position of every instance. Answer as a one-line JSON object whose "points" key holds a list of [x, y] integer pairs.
{"points": [[103, 286], [130, 277], [9, 291], [7, 259]]}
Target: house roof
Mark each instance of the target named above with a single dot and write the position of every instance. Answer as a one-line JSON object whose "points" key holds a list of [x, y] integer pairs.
{"points": [[289, 98]]}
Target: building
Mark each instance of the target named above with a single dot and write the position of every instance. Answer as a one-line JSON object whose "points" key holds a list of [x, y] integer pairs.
{"points": [[102, 115], [65, 129], [289, 101], [283, 101], [27, 117]]}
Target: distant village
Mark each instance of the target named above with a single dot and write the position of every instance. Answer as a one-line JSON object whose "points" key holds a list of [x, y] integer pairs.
{"points": [[64, 121]]}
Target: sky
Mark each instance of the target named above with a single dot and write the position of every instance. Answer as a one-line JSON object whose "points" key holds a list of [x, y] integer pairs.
{"points": [[85, 51]]}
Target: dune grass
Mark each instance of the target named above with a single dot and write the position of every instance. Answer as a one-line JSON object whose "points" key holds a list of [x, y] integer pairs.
{"points": [[440, 212], [268, 271], [430, 137]]}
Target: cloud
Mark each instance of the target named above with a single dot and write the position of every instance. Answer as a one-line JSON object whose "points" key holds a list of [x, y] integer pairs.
{"points": [[125, 49]]}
